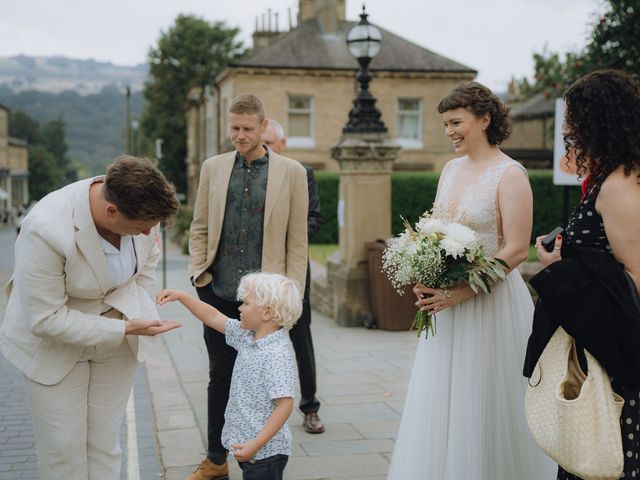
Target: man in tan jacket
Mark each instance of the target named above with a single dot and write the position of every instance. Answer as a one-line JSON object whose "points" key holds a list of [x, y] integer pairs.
{"points": [[250, 215]]}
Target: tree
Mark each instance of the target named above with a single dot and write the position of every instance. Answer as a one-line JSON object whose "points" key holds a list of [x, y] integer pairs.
{"points": [[44, 173], [553, 74], [614, 42], [189, 54], [25, 127], [54, 140], [49, 166]]}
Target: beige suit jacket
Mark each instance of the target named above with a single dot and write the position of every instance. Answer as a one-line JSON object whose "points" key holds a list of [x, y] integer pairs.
{"points": [[284, 243], [60, 288]]}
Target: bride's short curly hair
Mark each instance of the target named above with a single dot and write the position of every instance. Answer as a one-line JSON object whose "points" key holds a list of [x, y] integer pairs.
{"points": [[479, 100]]}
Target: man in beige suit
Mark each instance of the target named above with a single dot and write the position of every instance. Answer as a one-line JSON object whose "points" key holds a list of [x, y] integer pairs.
{"points": [[79, 311], [250, 215]]}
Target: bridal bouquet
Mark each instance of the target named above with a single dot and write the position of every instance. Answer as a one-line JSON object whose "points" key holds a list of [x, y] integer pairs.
{"points": [[439, 254]]}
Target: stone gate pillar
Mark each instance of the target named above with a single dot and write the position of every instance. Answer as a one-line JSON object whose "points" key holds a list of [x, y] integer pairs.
{"points": [[364, 214]]}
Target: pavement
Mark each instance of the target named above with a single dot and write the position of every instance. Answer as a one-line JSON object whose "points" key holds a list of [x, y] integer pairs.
{"points": [[362, 380]]}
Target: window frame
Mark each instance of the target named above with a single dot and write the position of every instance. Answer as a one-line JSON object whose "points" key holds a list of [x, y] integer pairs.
{"points": [[410, 143], [296, 141]]}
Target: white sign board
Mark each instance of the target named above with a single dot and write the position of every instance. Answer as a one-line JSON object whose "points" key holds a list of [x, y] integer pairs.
{"points": [[559, 176]]}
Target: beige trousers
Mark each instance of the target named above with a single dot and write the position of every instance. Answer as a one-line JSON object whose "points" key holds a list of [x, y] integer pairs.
{"points": [[77, 421]]}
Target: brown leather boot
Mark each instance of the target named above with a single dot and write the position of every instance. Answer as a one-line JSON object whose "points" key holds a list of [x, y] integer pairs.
{"points": [[207, 470]]}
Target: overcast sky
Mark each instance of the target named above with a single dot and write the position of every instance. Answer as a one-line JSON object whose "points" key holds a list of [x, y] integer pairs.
{"points": [[495, 37]]}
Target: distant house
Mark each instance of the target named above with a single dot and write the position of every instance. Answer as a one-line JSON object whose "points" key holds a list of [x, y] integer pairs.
{"points": [[306, 79], [531, 140], [14, 167]]}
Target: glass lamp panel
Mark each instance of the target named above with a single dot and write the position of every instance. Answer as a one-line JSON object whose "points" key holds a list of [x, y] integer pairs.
{"points": [[364, 41]]}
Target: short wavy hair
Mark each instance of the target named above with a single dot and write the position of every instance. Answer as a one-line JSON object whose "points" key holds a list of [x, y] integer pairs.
{"points": [[602, 124], [139, 190], [248, 104], [276, 291], [479, 100]]}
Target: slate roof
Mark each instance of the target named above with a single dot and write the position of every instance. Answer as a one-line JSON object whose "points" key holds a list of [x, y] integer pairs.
{"points": [[535, 107], [307, 47]]}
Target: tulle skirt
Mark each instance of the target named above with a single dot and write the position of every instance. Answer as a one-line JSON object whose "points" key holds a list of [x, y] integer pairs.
{"points": [[463, 418]]}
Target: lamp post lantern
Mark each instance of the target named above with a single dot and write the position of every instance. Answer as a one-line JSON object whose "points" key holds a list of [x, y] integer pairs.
{"points": [[364, 41]]}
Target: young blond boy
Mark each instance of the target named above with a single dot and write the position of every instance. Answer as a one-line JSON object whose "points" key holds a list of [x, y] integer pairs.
{"points": [[262, 384]]}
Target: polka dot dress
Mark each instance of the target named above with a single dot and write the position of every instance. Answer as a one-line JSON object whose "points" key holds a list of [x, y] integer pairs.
{"points": [[586, 229]]}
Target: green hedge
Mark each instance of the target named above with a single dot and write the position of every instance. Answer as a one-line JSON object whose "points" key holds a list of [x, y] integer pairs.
{"points": [[328, 183], [413, 192]]}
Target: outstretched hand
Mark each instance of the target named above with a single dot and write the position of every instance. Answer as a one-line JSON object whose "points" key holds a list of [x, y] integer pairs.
{"points": [[167, 295], [149, 328]]}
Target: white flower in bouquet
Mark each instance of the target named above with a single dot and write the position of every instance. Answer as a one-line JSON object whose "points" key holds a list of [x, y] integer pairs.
{"points": [[461, 234], [429, 225], [452, 247], [458, 240]]}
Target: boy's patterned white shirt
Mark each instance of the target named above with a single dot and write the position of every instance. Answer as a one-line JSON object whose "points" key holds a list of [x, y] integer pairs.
{"points": [[264, 370]]}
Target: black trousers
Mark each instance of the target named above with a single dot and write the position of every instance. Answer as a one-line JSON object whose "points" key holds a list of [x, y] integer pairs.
{"points": [[222, 358], [270, 468], [300, 336]]}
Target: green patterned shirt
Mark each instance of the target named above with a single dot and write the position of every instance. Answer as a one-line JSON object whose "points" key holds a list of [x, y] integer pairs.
{"points": [[240, 248]]}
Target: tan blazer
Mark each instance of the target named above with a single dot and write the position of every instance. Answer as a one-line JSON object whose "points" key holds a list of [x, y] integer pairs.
{"points": [[284, 243], [60, 288]]}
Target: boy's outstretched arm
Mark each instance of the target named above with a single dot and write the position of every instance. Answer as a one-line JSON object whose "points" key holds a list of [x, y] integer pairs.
{"points": [[245, 451], [210, 316]]}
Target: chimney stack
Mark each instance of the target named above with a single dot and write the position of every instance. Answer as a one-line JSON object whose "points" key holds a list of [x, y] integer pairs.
{"points": [[328, 13], [265, 34]]}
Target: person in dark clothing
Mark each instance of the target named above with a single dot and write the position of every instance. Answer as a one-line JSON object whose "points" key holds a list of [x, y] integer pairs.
{"points": [[300, 334], [592, 274]]}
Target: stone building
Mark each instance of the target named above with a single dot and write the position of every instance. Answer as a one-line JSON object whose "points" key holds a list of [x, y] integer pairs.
{"points": [[531, 140], [306, 79], [14, 168]]}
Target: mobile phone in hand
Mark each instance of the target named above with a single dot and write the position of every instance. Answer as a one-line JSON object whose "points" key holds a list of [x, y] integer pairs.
{"points": [[549, 240]]}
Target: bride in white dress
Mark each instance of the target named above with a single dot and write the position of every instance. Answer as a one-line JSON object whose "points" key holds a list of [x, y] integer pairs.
{"points": [[463, 418]]}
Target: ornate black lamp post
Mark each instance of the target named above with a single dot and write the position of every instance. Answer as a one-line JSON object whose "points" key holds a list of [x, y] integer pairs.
{"points": [[364, 42], [365, 156]]}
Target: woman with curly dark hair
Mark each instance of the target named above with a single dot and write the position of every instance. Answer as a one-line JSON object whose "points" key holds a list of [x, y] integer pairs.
{"points": [[464, 414], [592, 276]]}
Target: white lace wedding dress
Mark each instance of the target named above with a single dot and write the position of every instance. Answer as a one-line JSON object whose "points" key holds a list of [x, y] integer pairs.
{"points": [[463, 418]]}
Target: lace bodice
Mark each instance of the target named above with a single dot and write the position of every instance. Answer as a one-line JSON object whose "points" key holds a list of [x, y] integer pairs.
{"points": [[476, 206]]}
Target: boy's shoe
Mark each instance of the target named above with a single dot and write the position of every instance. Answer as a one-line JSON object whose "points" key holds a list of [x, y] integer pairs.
{"points": [[312, 423], [207, 470]]}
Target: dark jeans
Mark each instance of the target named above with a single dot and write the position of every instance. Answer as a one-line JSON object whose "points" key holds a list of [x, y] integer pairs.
{"points": [[270, 468], [222, 357], [300, 336]]}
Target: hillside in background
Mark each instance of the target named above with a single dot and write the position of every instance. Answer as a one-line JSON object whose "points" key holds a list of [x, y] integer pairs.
{"points": [[88, 95], [94, 123], [58, 74]]}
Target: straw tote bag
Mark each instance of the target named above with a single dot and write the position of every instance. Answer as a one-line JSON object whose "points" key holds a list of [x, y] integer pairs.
{"points": [[573, 417]]}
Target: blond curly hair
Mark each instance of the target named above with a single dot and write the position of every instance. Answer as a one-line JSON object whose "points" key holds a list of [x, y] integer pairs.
{"points": [[274, 291]]}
